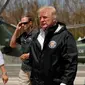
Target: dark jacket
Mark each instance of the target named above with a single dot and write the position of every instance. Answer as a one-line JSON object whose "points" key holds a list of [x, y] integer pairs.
{"points": [[57, 62]]}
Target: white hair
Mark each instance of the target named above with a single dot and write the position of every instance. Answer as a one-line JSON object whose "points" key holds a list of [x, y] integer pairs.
{"points": [[51, 9]]}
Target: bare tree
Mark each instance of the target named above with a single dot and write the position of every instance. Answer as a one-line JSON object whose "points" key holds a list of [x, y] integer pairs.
{"points": [[4, 5]]}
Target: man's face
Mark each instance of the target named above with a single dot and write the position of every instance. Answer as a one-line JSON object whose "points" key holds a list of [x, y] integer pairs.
{"points": [[25, 23], [46, 19]]}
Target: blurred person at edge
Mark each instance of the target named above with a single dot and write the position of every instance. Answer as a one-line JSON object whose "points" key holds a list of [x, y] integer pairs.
{"points": [[22, 36], [53, 51], [3, 69]]}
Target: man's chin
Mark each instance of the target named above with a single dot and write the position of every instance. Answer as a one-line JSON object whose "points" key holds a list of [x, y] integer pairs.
{"points": [[44, 27]]}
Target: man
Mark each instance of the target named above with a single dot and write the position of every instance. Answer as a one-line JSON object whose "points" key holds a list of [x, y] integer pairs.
{"points": [[53, 51], [22, 35], [4, 73]]}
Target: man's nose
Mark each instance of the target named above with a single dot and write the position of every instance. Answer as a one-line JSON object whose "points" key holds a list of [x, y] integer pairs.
{"points": [[42, 19]]}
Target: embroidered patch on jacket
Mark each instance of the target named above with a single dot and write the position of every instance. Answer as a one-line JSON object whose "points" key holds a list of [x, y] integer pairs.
{"points": [[52, 44]]}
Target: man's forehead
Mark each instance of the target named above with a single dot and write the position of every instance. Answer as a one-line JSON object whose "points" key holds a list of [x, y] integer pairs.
{"points": [[24, 19], [45, 12]]}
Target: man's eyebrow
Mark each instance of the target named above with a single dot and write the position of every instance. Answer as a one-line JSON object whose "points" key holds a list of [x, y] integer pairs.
{"points": [[24, 22]]}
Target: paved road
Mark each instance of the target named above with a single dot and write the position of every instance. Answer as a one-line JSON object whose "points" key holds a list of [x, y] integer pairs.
{"points": [[80, 79], [13, 70]]}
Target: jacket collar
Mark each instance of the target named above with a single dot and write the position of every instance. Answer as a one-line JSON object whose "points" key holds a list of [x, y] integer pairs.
{"points": [[57, 28]]}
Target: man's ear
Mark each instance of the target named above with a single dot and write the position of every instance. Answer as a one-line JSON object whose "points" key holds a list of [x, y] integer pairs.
{"points": [[30, 23]]}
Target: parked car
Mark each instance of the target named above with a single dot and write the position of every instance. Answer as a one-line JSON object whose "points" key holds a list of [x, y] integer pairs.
{"points": [[81, 49]]}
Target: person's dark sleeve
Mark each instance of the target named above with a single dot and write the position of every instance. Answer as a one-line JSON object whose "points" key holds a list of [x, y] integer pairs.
{"points": [[18, 40], [70, 59]]}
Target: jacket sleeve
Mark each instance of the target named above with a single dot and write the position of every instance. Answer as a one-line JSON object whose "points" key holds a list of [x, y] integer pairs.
{"points": [[18, 40], [70, 60]]}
